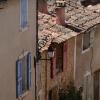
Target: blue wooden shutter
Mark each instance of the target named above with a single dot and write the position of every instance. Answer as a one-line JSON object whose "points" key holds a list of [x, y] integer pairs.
{"points": [[24, 13], [29, 70], [18, 78]]}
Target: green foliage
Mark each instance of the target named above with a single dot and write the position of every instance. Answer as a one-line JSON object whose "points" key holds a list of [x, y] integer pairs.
{"points": [[71, 93]]}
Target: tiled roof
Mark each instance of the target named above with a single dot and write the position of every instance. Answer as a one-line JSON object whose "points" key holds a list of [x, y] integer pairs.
{"points": [[76, 16], [49, 31], [80, 17]]}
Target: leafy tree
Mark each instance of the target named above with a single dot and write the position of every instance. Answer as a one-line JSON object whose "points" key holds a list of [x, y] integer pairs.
{"points": [[71, 93]]}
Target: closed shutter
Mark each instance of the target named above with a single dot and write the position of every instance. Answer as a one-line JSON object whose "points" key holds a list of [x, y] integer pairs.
{"points": [[51, 69], [29, 70], [96, 86], [18, 78], [59, 57], [24, 13]]}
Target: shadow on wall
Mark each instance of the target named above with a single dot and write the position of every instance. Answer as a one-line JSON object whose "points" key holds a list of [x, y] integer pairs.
{"points": [[89, 2]]}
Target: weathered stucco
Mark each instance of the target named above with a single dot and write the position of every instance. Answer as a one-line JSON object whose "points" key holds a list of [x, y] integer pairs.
{"points": [[60, 80], [87, 62], [13, 42]]}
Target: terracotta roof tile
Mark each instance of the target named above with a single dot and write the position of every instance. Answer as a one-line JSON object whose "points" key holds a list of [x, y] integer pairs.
{"points": [[51, 32], [76, 16], [81, 17]]}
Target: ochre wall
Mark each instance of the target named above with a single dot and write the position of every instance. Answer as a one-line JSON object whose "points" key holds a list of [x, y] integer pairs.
{"points": [[61, 79]]}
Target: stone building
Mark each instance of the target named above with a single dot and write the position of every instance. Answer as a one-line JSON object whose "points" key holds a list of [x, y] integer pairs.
{"points": [[82, 53], [56, 73], [86, 56]]}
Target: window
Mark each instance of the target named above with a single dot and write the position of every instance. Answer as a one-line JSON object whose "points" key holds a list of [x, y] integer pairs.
{"points": [[96, 85], [86, 41], [50, 95], [59, 57], [57, 61], [23, 74], [53, 94], [51, 68], [23, 13]]}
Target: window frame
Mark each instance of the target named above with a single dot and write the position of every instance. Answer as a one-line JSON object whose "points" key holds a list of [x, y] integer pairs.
{"points": [[87, 49], [91, 39], [22, 27], [28, 64]]}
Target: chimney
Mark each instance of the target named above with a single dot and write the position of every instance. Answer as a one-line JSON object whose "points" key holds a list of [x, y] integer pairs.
{"points": [[42, 6], [60, 12]]}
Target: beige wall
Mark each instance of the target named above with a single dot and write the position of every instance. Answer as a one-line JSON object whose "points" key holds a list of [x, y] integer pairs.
{"points": [[70, 61], [88, 61], [96, 51], [83, 60], [12, 42]]}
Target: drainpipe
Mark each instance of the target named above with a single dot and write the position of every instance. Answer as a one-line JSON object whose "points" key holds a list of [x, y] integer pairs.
{"points": [[36, 57], [75, 57], [35, 78]]}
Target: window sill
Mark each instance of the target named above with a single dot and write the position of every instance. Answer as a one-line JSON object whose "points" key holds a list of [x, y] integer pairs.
{"points": [[24, 29], [23, 95], [86, 50], [23, 55]]}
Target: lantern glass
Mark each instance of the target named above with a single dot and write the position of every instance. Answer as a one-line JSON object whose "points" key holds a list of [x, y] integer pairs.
{"points": [[50, 54]]}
